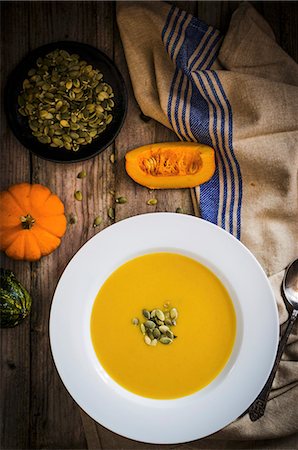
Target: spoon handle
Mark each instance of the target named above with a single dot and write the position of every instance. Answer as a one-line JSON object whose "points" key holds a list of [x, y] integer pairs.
{"points": [[257, 408]]}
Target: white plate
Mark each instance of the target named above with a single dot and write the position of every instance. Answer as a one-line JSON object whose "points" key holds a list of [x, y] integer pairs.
{"points": [[187, 418]]}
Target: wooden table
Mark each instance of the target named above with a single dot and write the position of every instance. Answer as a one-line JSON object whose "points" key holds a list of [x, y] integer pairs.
{"points": [[37, 411]]}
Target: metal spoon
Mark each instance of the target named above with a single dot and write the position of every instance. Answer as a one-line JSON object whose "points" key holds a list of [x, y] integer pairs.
{"points": [[290, 291]]}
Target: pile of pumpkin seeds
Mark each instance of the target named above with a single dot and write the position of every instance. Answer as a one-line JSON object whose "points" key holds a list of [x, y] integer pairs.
{"points": [[66, 101], [157, 326]]}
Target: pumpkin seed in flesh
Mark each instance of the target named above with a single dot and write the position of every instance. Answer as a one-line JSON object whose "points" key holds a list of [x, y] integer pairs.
{"points": [[135, 321]]}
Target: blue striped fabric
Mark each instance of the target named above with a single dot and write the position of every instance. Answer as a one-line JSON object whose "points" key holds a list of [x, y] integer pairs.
{"points": [[199, 110]]}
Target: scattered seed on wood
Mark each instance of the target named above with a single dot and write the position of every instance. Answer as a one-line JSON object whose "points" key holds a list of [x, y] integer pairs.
{"points": [[78, 196], [121, 200], [180, 211], [97, 221], [112, 158], [82, 174], [152, 202], [111, 213]]}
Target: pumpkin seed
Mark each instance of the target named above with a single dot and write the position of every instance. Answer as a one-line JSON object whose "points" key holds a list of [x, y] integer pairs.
{"points": [[154, 342], [152, 314], [150, 334], [121, 200], [142, 328], [168, 322], [146, 314], [174, 313], [159, 322], [97, 221], [111, 213], [135, 321], [165, 340], [174, 322], [66, 91], [78, 196], [152, 201], [149, 324], [160, 315], [169, 334], [147, 339], [163, 329], [112, 158], [156, 333], [82, 174], [180, 211]]}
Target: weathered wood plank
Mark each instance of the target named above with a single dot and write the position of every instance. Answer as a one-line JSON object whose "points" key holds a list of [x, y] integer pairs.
{"points": [[55, 418], [15, 168]]}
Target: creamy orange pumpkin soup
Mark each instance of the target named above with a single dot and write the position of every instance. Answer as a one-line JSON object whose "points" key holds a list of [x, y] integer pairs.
{"points": [[203, 331]]}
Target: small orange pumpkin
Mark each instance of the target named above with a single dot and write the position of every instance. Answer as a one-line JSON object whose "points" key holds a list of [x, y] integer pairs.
{"points": [[32, 221], [171, 165]]}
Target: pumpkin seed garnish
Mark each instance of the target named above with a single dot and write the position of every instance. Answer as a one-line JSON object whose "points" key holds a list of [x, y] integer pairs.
{"points": [[78, 196], [160, 315], [82, 174], [121, 200], [97, 221], [173, 314], [64, 93], [156, 330], [152, 202], [150, 324], [146, 314], [165, 340], [147, 339]]}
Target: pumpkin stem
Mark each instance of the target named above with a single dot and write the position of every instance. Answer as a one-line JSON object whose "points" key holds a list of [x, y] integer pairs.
{"points": [[27, 221]]}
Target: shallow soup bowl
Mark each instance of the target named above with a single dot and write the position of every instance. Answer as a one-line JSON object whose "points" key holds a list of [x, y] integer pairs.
{"points": [[205, 411]]}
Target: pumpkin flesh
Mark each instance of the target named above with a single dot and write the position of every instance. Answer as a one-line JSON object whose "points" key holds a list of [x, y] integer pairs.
{"points": [[171, 165]]}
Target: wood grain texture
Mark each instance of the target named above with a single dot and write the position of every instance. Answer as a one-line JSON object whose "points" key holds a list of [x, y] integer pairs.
{"points": [[36, 410], [15, 167]]}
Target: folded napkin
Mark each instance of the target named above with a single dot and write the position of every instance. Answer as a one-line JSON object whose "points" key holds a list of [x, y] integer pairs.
{"points": [[237, 93]]}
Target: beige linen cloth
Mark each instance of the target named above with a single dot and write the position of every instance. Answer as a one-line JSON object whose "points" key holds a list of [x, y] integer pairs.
{"points": [[237, 93]]}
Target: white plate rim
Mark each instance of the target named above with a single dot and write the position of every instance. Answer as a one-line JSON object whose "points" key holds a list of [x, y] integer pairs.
{"points": [[194, 416]]}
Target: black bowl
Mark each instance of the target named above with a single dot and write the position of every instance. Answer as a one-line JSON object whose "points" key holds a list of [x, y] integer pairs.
{"points": [[19, 123]]}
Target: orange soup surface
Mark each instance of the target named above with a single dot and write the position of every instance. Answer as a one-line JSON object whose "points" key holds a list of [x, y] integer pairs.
{"points": [[205, 327]]}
